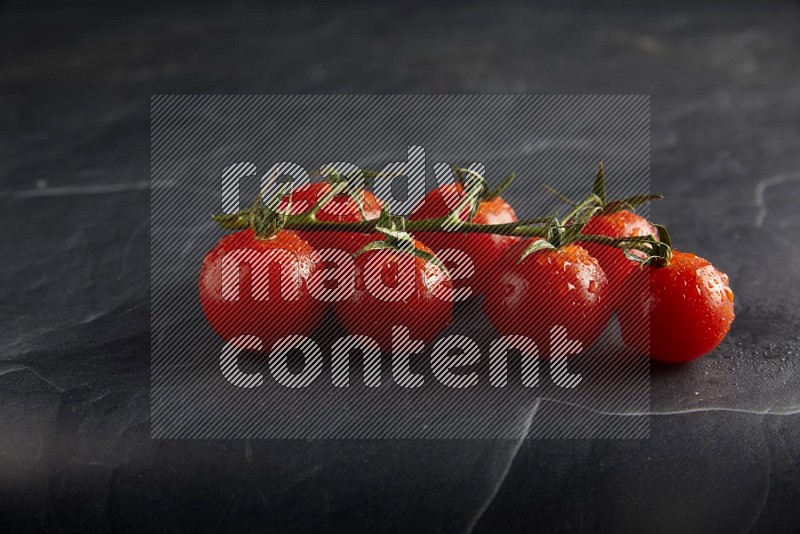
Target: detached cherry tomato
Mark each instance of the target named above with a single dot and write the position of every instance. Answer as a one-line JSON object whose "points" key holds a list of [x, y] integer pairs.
{"points": [[482, 249], [563, 287], [395, 288], [258, 287], [684, 314], [341, 208], [624, 275]]}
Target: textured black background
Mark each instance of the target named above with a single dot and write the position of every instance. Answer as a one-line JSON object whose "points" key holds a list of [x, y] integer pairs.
{"points": [[75, 87]]}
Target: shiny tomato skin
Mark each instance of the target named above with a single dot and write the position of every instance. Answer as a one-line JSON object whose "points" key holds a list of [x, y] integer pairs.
{"points": [[624, 275], [684, 313], [267, 318], [483, 249], [341, 208], [426, 312], [551, 287]]}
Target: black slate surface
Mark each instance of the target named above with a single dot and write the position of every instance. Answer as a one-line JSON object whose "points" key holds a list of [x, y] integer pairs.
{"points": [[75, 451]]}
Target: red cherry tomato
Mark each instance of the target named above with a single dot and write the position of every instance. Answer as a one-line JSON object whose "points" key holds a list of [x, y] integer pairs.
{"points": [[684, 313], [341, 208], [563, 287], [396, 288], [482, 249], [258, 287], [624, 275]]}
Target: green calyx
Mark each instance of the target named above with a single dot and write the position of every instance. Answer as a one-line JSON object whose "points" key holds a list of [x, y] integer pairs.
{"points": [[397, 239], [560, 232], [467, 177], [611, 206], [267, 220], [657, 253], [567, 229], [599, 195], [645, 250], [352, 186], [536, 246]]}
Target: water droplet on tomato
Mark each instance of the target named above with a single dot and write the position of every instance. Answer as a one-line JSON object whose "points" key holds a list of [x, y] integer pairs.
{"points": [[728, 293]]}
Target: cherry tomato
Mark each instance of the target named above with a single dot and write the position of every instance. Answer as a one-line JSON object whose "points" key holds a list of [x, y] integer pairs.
{"points": [[340, 208], [684, 313], [397, 289], [563, 287], [482, 249], [258, 287], [624, 275]]}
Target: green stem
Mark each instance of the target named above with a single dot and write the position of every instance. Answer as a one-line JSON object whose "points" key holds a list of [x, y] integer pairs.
{"points": [[656, 252], [309, 223], [556, 232], [534, 227], [439, 224]]}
